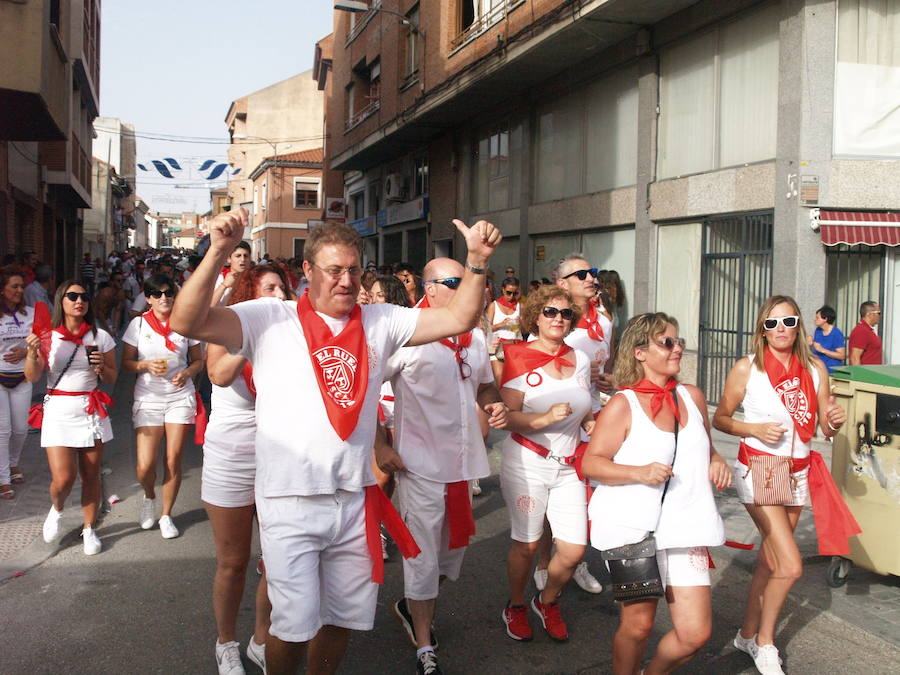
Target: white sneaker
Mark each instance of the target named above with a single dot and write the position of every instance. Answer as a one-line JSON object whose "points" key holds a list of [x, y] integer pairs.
{"points": [[92, 543], [476, 487], [585, 580], [51, 525], [228, 656], [767, 661], [257, 654], [167, 529], [147, 516], [746, 645], [540, 578]]}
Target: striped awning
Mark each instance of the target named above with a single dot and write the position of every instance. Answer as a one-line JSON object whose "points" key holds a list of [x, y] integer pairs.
{"points": [[859, 227]]}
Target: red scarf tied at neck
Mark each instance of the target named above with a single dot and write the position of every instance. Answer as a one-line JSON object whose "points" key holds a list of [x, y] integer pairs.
{"points": [[341, 365], [590, 321], [66, 336], [794, 386], [458, 343], [660, 396], [160, 328], [519, 358], [509, 303]]}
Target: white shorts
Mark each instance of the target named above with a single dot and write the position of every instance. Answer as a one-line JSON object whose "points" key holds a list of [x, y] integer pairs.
{"points": [[532, 487], [684, 566], [743, 483], [423, 508], [318, 566], [67, 424], [229, 469], [181, 410]]}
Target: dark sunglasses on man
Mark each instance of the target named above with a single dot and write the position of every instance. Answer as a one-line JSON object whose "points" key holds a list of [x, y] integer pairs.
{"points": [[582, 274], [450, 282], [169, 293]]}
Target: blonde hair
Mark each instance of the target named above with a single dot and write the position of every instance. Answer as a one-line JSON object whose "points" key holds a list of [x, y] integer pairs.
{"points": [[638, 333], [758, 342], [537, 300]]}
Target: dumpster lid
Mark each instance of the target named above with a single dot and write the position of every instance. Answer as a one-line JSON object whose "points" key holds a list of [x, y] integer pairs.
{"points": [[882, 375]]}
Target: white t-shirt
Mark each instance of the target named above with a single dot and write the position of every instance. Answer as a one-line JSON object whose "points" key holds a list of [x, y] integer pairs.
{"points": [[543, 392], [140, 303], [152, 345], [13, 331], [35, 293], [132, 287], [226, 293], [579, 340], [233, 411], [80, 376], [298, 452], [437, 432]]}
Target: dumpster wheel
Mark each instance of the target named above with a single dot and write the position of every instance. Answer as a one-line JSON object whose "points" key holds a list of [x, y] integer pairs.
{"points": [[838, 571]]}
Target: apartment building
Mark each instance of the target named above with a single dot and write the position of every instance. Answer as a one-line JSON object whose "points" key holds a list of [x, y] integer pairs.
{"points": [[711, 152], [49, 95]]}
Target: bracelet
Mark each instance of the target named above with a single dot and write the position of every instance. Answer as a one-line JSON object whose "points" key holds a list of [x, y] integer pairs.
{"points": [[476, 270], [831, 427]]}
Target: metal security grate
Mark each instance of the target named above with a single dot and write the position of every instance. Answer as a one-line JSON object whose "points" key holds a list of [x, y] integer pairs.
{"points": [[855, 274], [736, 276]]}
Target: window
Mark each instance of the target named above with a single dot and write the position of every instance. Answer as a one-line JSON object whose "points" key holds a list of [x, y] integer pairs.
{"points": [[498, 158], [375, 197], [348, 92], [611, 136], [420, 175], [358, 205], [559, 167], [265, 195], [718, 97], [306, 193], [363, 92], [412, 42], [476, 16], [55, 13]]}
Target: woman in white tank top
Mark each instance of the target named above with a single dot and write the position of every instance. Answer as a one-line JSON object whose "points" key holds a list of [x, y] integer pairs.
{"points": [[780, 354], [631, 455]]}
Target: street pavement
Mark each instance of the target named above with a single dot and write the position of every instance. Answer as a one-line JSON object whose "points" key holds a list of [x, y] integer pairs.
{"points": [[143, 605]]}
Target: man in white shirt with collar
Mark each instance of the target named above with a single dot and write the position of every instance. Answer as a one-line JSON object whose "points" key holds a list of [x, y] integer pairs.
{"points": [[317, 366], [438, 389]]}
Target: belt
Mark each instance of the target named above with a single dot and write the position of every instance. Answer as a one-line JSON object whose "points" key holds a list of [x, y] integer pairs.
{"points": [[745, 452], [98, 401]]}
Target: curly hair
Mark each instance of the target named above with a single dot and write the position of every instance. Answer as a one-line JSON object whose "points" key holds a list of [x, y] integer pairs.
{"points": [[246, 287], [638, 333], [394, 290], [758, 342], [537, 300], [6, 274]]}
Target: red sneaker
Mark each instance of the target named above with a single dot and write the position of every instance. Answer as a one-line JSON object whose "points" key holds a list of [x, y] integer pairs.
{"points": [[550, 618], [516, 620]]}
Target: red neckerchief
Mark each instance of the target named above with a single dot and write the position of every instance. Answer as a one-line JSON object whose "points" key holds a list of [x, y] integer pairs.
{"points": [[225, 271], [72, 337], [590, 320], [247, 374], [794, 386], [160, 328], [459, 342], [341, 364], [660, 396], [507, 302], [519, 358]]}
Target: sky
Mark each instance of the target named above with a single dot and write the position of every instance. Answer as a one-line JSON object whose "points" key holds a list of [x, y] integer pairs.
{"points": [[171, 68]]}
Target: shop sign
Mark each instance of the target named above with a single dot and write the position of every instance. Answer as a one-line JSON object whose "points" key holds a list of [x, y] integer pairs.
{"points": [[365, 226], [415, 209], [809, 190], [335, 208]]}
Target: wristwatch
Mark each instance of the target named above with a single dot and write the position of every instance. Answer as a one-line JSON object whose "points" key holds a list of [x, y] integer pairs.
{"points": [[476, 270]]}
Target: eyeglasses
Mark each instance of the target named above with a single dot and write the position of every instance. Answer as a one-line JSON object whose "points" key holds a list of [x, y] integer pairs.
{"points": [[551, 313], [336, 272], [787, 321], [465, 370], [874, 311], [169, 293], [582, 274], [450, 282], [669, 343], [73, 296]]}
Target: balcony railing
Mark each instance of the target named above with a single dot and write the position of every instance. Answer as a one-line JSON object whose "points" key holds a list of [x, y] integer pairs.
{"points": [[363, 114], [488, 18]]}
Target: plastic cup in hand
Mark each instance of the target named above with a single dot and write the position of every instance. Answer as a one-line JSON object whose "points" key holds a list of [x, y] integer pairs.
{"points": [[90, 350]]}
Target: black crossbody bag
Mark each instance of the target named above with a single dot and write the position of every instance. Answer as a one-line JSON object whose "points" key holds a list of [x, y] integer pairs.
{"points": [[633, 567]]}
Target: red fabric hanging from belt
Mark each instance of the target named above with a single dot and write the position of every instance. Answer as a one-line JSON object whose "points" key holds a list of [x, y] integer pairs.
{"points": [[98, 400], [200, 420], [459, 514], [379, 509]]}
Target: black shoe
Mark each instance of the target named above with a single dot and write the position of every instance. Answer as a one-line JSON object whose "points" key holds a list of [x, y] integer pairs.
{"points": [[401, 611], [427, 664]]}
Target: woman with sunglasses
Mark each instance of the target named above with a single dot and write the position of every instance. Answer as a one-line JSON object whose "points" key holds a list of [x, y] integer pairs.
{"points": [[15, 395], [229, 471], [651, 480], [784, 392], [164, 399], [76, 422], [545, 386]]}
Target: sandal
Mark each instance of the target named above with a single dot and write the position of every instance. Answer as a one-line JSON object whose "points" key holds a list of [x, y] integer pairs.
{"points": [[6, 492], [16, 476]]}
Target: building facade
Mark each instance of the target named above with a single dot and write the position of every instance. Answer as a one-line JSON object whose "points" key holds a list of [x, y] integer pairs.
{"points": [[49, 95], [711, 152]]}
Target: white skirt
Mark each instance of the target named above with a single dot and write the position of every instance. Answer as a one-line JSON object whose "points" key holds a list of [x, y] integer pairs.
{"points": [[67, 424], [229, 468]]}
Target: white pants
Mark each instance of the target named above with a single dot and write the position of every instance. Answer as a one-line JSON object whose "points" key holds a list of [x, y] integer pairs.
{"points": [[423, 508], [14, 405]]}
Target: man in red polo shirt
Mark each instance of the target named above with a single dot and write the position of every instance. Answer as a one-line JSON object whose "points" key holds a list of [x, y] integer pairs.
{"points": [[865, 345]]}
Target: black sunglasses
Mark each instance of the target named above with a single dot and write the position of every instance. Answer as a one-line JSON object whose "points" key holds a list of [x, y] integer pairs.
{"points": [[169, 293], [73, 296], [551, 312], [450, 282], [582, 274], [505, 292], [669, 343]]}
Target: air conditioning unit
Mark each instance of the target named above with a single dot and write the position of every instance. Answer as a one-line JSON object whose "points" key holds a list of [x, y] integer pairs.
{"points": [[394, 186]]}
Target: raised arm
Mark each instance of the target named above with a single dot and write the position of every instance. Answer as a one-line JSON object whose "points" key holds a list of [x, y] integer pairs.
{"points": [[192, 315], [464, 310]]}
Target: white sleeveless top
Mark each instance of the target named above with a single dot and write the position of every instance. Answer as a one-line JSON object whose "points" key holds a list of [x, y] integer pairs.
{"points": [[624, 514], [762, 404], [506, 333]]}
